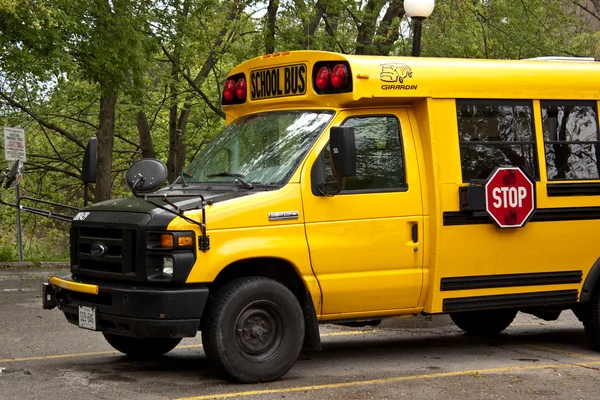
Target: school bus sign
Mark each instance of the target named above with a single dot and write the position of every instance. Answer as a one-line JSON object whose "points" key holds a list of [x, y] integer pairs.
{"points": [[510, 197]]}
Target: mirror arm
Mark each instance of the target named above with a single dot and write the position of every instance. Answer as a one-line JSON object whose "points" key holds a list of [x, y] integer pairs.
{"points": [[7, 204], [46, 202], [164, 198], [178, 213], [49, 214], [326, 192], [58, 216], [204, 240]]}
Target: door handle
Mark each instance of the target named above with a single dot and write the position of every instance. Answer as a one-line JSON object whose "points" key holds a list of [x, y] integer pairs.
{"points": [[415, 233]]}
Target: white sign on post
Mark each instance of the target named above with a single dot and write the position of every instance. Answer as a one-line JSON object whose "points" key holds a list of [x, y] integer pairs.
{"points": [[14, 144]]}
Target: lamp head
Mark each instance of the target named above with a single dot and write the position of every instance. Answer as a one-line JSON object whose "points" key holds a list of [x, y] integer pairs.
{"points": [[419, 8]]}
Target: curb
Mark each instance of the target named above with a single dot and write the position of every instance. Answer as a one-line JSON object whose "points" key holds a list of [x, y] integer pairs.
{"points": [[40, 265]]}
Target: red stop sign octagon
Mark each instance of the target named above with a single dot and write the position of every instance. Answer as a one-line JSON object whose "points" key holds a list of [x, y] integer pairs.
{"points": [[510, 197]]}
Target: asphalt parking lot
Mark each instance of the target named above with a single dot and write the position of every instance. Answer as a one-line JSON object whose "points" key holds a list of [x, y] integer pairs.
{"points": [[42, 357]]}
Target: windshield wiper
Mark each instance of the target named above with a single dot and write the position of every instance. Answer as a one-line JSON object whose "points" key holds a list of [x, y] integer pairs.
{"points": [[238, 177]]}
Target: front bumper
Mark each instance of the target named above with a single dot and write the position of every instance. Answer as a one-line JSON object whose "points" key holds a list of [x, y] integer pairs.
{"points": [[145, 312]]}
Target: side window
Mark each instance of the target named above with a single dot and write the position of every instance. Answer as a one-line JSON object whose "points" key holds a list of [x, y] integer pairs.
{"points": [[379, 155], [495, 133], [570, 139]]}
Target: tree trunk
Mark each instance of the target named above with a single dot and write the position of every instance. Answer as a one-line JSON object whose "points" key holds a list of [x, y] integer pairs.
{"points": [[366, 29], [144, 134], [270, 33], [310, 28], [178, 122], [180, 150], [106, 138], [173, 134], [388, 29]]}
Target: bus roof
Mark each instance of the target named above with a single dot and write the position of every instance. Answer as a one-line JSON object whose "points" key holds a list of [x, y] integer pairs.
{"points": [[381, 79]]}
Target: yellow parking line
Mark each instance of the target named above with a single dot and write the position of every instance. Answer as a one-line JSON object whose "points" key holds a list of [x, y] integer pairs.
{"points": [[95, 353], [559, 351], [100, 353], [349, 333], [386, 380]]}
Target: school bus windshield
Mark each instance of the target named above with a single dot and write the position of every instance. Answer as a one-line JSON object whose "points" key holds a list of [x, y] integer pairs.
{"points": [[263, 149]]}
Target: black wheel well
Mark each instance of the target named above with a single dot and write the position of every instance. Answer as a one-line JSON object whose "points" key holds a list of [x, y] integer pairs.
{"points": [[590, 284], [274, 268], [283, 272]]}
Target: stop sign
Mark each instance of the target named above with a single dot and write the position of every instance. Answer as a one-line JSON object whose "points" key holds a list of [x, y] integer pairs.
{"points": [[509, 197]]}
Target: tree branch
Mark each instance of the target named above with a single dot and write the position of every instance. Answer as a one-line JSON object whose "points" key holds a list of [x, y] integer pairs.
{"points": [[194, 85], [587, 9], [41, 121], [58, 154], [73, 119]]}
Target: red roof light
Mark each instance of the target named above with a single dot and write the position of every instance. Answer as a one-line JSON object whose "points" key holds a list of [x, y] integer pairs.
{"points": [[240, 89], [339, 76], [322, 80], [229, 90]]}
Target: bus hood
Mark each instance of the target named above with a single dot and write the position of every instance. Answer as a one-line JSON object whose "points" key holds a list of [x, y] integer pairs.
{"points": [[190, 200]]}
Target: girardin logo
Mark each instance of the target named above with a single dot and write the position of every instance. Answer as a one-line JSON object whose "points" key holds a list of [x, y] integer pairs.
{"points": [[396, 73]]}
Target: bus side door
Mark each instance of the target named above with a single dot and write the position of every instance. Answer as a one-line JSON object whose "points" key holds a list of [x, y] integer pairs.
{"points": [[366, 242]]}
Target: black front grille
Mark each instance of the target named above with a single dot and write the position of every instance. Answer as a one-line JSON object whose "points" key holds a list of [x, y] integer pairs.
{"points": [[119, 256]]}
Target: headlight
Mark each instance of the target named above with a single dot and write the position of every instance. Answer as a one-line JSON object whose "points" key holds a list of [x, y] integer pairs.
{"points": [[167, 266]]}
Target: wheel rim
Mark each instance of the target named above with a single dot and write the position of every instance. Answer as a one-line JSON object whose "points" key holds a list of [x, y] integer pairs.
{"points": [[259, 331]]}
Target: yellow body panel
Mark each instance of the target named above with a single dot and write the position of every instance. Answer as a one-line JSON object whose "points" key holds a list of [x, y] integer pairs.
{"points": [[74, 286], [355, 253]]}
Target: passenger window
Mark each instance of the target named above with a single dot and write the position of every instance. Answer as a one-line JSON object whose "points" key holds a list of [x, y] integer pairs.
{"points": [[494, 134], [379, 155], [570, 139]]}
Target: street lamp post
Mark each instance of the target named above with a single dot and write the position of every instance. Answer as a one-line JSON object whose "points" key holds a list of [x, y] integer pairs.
{"points": [[418, 10]]}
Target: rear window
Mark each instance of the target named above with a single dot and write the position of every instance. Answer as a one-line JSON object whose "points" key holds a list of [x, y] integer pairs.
{"points": [[570, 139]]}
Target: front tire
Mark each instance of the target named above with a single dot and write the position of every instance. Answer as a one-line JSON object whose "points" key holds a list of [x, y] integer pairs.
{"points": [[254, 330], [141, 347], [484, 323]]}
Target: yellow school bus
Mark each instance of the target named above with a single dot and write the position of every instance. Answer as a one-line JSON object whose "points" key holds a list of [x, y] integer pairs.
{"points": [[347, 189]]}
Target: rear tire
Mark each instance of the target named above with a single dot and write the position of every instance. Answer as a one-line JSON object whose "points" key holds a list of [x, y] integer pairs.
{"points": [[484, 323], [254, 330], [590, 316], [141, 347]]}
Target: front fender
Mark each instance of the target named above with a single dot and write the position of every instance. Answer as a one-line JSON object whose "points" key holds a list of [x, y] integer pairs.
{"points": [[285, 242]]}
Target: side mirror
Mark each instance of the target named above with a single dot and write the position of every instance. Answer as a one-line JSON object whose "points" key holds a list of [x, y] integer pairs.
{"points": [[146, 175], [90, 162], [14, 175], [343, 151]]}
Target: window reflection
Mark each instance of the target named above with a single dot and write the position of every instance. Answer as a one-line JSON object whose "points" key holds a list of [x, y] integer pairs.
{"points": [[570, 139], [495, 134], [264, 148], [379, 156]]}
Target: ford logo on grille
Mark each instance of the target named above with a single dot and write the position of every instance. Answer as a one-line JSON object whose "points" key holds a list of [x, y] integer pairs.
{"points": [[98, 249]]}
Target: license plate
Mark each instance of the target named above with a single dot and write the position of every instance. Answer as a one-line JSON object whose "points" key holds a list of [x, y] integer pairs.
{"points": [[87, 317]]}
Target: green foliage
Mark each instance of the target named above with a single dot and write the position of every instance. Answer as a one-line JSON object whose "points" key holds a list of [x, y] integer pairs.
{"points": [[31, 40], [511, 29]]}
